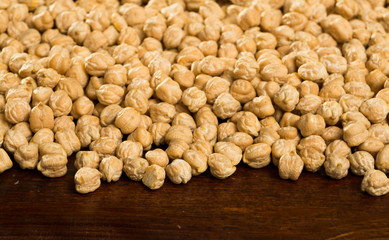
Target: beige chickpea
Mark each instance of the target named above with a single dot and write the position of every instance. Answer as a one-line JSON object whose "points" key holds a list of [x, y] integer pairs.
{"points": [[225, 105], [135, 167], [355, 134], [97, 63], [197, 160], [157, 157], [309, 104], [375, 183], [312, 71], [145, 121], [280, 147], [20, 92], [184, 119], [104, 146], [312, 158], [17, 111], [289, 133], [214, 87], [86, 134], [241, 139], [112, 132], [371, 145], [7, 81], [314, 141], [24, 128], [375, 109], [142, 136], [287, 97], [336, 167], [179, 132], [176, 149], [338, 148], [359, 89], [189, 55], [155, 27], [110, 94], [41, 116], [230, 150], [27, 156], [88, 159], [274, 72], [246, 68], [310, 124], [169, 91], [172, 36], [225, 130], [60, 103], [380, 131], [267, 135], [331, 111], [129, 149], [206, 132], [182, 75], [86, 120], [339, 28], [227, 50], [220, 166], [248, 123], [355, 117], [116, 75], [127, 120], [179, 171], [381, 161], [257, 155], [290, 166], [162, 112], [109, 113], [289, 120], [154, 177], [361, 162], [87, 180], [47, 77], [209, 48], [71, 86], [158, 131], [242, 90], [59, 63], [69, 140], [41, 95], [194, 98], [82, 106], [64, 122], [42, 136], [334, 63], [111, 168], [123, 52], [5, 161]]}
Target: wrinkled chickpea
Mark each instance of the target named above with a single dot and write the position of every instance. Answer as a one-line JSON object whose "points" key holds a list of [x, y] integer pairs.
{"points": [[87, 180], [154, 177], [111, 168], [5, 161]]}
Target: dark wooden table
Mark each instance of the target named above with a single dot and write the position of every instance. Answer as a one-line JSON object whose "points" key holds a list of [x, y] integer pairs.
{"points": [[250, 204]]}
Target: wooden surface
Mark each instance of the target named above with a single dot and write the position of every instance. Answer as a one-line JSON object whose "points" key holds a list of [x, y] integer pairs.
{"points": [[250, 204]]}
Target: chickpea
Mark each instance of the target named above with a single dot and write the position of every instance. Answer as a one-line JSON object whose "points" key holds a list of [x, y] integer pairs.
{"points": [[310, 124], [194, 98], [127, 120], [111, 168], [241, 139], [87, 180], [180, 133], [375, 109], [158, 131], [41, 116], [5, 161], [309, 104], [97, 63], [286, 98], [41, 95], [69, 140], [17, 111], [249, 123], [135, 167], [42, 136], [154, 177], [225, 106], [60, 103], [375, 183], [104, 146], [220, 166], [27, 156], [88, 159], [64, 122], [290, 166], [176, 149]]}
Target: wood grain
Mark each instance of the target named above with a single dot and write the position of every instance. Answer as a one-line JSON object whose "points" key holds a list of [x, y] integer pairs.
{"points": [[250, 204]]}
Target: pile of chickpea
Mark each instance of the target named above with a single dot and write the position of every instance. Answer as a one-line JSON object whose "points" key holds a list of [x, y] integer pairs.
{"points": [[175, 87]]}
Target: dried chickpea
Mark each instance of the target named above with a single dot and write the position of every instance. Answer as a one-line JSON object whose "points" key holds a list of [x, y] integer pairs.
{"points": [[97, 63], [375, 183], [43, 135], [52, 160], [176, 149], [257, 155], [310, 124], [309, 104], [158, 131], [290, 166], [41, 116], [179, 171], [220, 166], [225, 105], [371, 145], [361, 162], [375, 109], [135, 167], [154, 177], [87, 180], [129, 149], [111, 168], [69, 140], [88, 159], [127, 120], [194, 98], [104, 146], [17, 111], [241, 139], [286, 98], [5, 161], [60, 103], [248, 123], [13, 139], [64, 122]]}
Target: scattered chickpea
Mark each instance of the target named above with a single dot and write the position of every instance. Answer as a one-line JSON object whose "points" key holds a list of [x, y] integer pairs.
{"points": [[154, 177], [111, 168]]}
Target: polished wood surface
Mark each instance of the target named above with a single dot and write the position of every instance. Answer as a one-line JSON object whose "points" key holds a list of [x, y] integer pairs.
{"points": [[250, 204]]}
